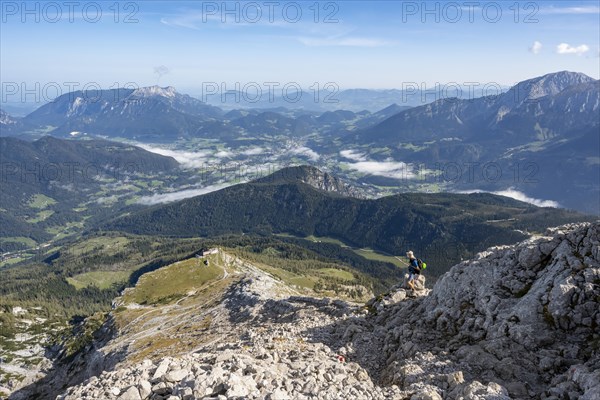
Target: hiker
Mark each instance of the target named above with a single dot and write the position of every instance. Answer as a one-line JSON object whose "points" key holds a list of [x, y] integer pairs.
{"points": [[413, 269]]}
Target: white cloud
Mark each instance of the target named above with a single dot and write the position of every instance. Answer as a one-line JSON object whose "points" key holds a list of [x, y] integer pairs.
{"points": [[253, 151], [536, 48], [175, 196], [187, 159], [224, 154], [388, 168], [353, 155], [189, 23], [190, 159], [565, 48], [515, 194], [307, 152], [571, 10], [341, 41], [191, 19]]}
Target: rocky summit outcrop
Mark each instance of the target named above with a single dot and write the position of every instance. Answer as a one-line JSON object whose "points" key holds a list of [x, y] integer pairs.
{"points": [[314, 177], [517, 322], [268, 348]]}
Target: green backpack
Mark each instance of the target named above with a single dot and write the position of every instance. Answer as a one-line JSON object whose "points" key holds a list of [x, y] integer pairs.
{"points": [[422, 265]]}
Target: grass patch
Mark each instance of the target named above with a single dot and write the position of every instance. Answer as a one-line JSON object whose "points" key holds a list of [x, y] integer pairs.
{"points": [[6, 377], [141, 184], [367, 253], [371, 254], [129, 188], [174, 281], [151, 347], [336, 273], [315, 239], [41, 201], [182, 329], [124, 316], [303, 281], [107, 244], [41, 216], [412, 147], [19, 239], [64, 229], [318, 239], [11, 261], [55, 230], [99, 279], [132, 200]]}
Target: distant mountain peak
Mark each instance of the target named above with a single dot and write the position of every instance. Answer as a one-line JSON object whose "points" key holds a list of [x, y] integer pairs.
{"points": [[155, 90], [549, 84], [151, 111], [6, 118], [311, 176]]}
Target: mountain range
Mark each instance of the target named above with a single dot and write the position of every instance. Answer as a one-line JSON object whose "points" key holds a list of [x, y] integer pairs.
{"points": [[540, 137], [256, 290], [152, 111], [530, 139], [356, 100], [532, 110], [444, 227], [155, 114], [538, 109]]}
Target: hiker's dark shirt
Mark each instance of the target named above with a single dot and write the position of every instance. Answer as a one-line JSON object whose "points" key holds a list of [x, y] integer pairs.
{"points": [[413, 266]]}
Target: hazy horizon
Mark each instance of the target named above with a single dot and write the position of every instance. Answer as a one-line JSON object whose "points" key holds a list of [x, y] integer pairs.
{"points": [[25, 100], [381, 45]]}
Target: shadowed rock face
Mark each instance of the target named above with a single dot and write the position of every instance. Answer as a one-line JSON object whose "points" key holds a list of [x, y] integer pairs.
{"points": [[524, 317], [518, 321]]}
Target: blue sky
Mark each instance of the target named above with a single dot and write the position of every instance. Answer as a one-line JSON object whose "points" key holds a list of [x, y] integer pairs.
{"points": [[362, 44]]}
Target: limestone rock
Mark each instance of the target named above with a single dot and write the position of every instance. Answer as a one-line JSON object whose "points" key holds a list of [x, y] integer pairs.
{"points": [[514, 322]]}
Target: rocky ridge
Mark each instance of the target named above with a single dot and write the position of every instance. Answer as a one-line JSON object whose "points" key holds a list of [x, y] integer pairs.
{"points": [[314, 177], [516, 322]]}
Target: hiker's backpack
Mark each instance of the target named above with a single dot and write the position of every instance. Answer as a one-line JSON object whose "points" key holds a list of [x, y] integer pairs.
{"points": [[422, 265]]}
